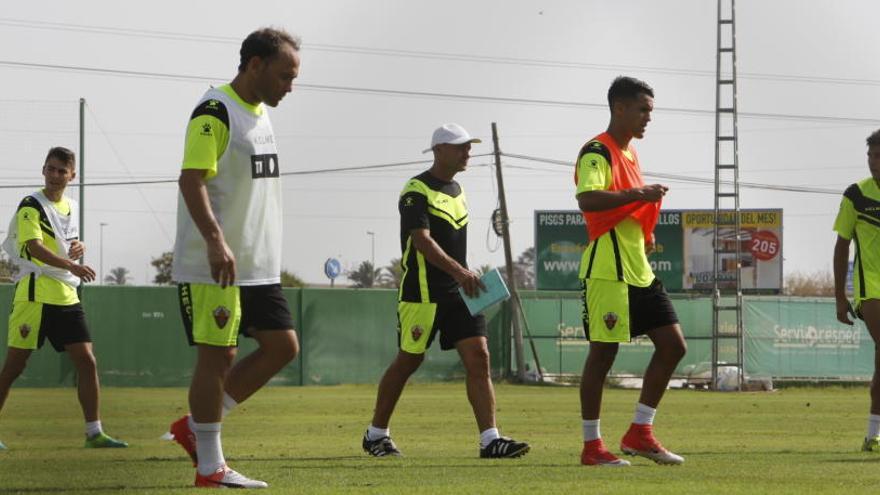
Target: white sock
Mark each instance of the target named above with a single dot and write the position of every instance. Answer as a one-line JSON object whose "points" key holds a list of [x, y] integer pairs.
{"points": [[644, 414], [208, 448], [374, 433], [591, 430], [873, 425], [228, 405], [487, 436], [93, 428]]}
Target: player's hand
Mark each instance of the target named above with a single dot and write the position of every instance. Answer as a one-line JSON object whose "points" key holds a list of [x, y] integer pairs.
{"points": [[77, 250], [222, 262], [470, 282], [844, 310], [85, 272], [650, 245], [652, 193]]}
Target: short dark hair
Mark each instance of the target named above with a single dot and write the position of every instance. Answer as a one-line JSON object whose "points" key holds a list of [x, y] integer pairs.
{"points": [[874, 138], [265, 43], [626, 88], [62, 154]]}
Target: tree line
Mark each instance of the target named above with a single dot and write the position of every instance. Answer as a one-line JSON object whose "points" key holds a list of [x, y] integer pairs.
{"points": [[819, 283]]}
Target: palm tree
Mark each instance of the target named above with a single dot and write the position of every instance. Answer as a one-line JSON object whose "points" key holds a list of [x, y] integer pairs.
{"points": [[118, 276], [390, 274], [365, 275]]}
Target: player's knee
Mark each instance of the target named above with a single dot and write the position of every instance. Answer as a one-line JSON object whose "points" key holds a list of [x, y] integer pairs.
{"points": [[13, 370], [85, 362], [289, 350], [478, 362], [408, 363], [674, 352], [602, 355]]}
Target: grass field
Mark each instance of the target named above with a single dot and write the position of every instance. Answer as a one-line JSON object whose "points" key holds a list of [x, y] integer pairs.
{"points": [[307, 440]]}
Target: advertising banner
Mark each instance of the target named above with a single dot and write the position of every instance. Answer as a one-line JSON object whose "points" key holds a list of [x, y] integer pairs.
{"points": [[683, 254], [760, 246], [802, 339]]}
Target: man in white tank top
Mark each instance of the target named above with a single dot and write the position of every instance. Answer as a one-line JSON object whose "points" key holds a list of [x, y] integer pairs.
{"points": [[227, 254], [43, 241]]}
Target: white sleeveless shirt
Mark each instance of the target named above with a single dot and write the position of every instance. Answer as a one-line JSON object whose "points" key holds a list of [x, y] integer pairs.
{"points": [[245, 196]]}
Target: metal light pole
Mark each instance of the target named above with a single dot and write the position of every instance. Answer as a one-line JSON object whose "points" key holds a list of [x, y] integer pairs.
{"points": [[372, 254], [101, 247]]}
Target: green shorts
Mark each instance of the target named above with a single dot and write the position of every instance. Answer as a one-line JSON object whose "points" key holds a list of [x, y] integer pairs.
{"points": [[607, 310], [31, 323], [211, 314], [617, 312]]}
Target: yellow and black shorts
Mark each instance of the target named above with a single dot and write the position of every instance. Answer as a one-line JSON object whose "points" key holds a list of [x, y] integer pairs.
{"points": [[418, 324], [31, 323], [614, 311], [216, 316]]}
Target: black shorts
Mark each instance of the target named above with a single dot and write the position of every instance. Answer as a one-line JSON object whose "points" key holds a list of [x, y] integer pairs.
{"points": [[649, 308], [450, 318], [263, 307]]}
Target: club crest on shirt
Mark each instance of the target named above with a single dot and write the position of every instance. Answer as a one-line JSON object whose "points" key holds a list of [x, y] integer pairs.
{"points": [[24, 330], [610, 319], [417, 332], [221, 316]]}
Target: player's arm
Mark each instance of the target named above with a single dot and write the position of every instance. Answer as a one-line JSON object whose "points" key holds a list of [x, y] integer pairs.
{"points": [[608, 200], [845, 226], [841, 266], [31, 234], [207, 136], [594, 179], [39, 251], [470, 282], [195, 195]]}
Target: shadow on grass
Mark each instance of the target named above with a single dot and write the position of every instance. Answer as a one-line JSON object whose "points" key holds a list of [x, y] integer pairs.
{"points": [[362, 461], [863, 460]]}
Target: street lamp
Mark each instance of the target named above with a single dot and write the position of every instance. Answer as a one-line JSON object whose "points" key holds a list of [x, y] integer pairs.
{"points": [[101, 247], [372, 253]]}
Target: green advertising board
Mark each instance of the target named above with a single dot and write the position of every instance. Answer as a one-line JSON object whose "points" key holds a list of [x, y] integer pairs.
{"points": [[682, 258], [560, 239]]}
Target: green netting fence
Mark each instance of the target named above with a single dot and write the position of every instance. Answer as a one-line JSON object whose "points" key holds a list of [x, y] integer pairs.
{"points": [[349, 336]]}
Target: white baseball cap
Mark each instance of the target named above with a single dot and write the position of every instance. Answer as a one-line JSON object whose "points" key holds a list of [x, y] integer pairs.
{"points": [[451, 134]]}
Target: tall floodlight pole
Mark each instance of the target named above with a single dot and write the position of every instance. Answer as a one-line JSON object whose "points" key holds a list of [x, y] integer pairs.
{"points": [[101, 246], [82, 172], [372, 254]]}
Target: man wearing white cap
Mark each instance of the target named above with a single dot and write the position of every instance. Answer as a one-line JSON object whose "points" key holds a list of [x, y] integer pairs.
{"points": [[433, 239]]}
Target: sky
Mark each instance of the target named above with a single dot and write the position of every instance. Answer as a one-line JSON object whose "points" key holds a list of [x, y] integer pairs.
{"points": [[378, 76]]}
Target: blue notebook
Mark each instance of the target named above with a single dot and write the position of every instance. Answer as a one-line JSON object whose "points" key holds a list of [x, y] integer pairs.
{"points": [[496, 291]]}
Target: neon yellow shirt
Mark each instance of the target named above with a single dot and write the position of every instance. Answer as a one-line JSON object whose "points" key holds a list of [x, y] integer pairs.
{"points": [[624, 244], [859, 220], [33, 225]]}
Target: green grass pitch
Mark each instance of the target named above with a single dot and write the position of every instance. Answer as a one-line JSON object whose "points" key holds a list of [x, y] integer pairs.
{"points": [[307, 440]]}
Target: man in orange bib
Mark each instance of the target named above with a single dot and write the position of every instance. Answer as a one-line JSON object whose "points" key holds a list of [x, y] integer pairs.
{"points": [[622, 297]]}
